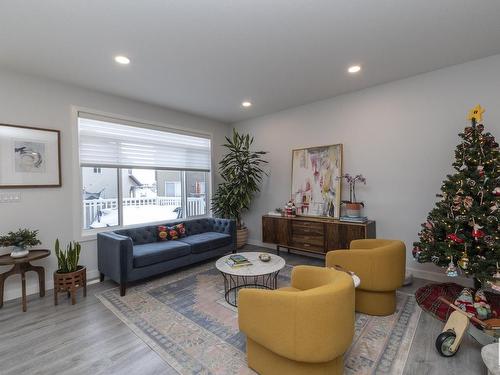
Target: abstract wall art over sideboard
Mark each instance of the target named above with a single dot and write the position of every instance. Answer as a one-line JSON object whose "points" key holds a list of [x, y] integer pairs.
{"points": [[315, 180], [30, 157]]}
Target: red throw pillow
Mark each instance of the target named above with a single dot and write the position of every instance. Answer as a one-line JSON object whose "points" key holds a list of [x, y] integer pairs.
{"points": [[177, 231], [162, 233]]}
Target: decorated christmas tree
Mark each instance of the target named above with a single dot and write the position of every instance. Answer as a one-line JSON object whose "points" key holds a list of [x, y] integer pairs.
{"points": [[462, 232]]}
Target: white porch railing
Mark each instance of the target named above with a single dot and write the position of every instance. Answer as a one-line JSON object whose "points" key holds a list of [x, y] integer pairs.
{"points": [[91, 207]]}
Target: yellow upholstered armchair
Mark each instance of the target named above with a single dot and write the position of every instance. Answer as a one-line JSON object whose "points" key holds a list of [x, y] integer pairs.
{"points": [[381, 265], [302, 329]]}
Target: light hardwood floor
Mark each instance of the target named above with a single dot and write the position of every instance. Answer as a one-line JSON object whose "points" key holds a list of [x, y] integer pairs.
{"points": [[89, 339]]}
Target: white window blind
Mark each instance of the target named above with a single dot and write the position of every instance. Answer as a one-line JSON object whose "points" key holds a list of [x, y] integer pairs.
{"points": [[113, 144]]}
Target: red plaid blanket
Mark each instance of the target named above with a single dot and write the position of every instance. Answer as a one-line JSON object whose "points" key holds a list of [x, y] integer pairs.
{"points": [[427, 299]]}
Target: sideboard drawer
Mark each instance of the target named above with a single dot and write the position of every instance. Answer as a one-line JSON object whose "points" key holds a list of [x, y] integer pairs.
{"points": [[313, 240], [308, 246], [300, 225]]}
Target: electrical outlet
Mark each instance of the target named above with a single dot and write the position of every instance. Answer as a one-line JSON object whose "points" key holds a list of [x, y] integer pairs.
{"points": [[14, 197]]}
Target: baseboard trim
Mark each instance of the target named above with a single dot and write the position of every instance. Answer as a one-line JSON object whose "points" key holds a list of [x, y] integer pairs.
{"points": [[439, 277]]}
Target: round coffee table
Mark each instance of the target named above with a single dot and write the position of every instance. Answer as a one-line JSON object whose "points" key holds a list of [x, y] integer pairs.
{"points": [[259, 275]]}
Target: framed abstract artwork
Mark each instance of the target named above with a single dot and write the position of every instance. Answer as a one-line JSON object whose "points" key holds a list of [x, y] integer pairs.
{"points": [[29, 157], [316, 180]]}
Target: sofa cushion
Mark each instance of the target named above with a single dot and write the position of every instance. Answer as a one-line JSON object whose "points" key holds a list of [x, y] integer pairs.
{"points": [[206, 241], [157, 252], [140, 235], [197, 226], [177, 231]]}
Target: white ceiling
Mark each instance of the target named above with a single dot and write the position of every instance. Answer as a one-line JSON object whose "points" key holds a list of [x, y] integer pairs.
{"points": [[206, 56]]}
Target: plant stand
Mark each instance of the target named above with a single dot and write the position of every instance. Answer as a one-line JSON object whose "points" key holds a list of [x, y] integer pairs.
{"points": [[70, 283]]}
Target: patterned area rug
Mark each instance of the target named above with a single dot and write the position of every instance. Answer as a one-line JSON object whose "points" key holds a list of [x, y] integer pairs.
{"points": [[185, 319]]}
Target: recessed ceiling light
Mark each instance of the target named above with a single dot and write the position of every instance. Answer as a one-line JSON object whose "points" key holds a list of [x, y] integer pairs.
{"points": [[124, 60], [246, 104], [354, 69]]}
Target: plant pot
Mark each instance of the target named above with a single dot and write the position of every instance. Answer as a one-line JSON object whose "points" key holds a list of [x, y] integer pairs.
{"points": [[353, 209], [19, 252], [70, 282], [241, 237]]}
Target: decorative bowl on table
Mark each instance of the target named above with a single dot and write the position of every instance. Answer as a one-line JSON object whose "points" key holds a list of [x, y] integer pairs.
{"points": [[264, 257]]}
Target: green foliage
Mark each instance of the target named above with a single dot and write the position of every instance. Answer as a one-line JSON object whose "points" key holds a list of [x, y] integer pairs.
{"points": [[22, 238], [464, 224], [67, 260], [242, 174]]}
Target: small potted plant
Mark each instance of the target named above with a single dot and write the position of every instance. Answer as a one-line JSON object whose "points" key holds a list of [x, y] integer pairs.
{"points": [[70, 276], [20, 241], [353, 207]]}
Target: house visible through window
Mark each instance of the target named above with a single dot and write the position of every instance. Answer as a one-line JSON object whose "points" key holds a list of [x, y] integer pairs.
{"points": [[136, 175]]}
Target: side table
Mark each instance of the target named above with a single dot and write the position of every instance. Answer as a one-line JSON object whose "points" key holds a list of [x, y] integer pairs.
{"points": [[20, 267]]}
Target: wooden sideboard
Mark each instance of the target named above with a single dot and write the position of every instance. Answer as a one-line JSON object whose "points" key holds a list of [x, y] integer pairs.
{"points": [[313, 234]]}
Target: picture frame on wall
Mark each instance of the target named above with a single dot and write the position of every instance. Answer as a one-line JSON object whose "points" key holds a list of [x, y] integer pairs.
{"points": [[29, 157], [316, 182]]}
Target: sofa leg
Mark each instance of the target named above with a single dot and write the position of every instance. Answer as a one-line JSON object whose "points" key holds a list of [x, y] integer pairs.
{"points": [[101, 277], [123, 289]]}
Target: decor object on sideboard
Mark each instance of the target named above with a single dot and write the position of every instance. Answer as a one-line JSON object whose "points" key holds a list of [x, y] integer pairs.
{"points": [[20, 240], [31, 157], [315, 184], [20, 267], [352, 206], [242, 173], [70, 276], [313, 234], [462, 230]]}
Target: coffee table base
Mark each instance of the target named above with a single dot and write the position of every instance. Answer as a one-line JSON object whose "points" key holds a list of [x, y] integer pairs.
{"points": [[233, 283]]}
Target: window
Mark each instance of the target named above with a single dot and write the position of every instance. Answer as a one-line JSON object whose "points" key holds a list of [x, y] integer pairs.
{"points": [[136, 175]]}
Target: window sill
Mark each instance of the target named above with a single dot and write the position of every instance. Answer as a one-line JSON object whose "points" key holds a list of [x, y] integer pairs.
{"points": [[88, 235]]}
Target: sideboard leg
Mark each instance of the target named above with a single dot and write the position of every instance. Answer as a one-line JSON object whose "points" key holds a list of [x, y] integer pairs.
{"points": [[101, 277], [123, 289]]}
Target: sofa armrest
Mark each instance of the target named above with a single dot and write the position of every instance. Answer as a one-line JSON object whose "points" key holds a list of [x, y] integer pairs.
{"points": [[114, 255]]}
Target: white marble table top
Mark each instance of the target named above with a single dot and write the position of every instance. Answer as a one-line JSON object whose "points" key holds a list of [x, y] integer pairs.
{"points": [[489, 353], [257, 268]]}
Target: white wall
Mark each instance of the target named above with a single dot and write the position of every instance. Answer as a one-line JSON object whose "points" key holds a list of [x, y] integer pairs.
{"points": [[400, 136], [26, 100]]}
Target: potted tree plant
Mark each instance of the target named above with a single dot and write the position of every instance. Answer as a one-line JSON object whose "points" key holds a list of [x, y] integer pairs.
{"points": [[70, 276], [242, 173], [353, 207], [20, 241]]}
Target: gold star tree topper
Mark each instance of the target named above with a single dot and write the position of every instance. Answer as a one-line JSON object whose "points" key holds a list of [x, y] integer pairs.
{"points": [[476, 113]]}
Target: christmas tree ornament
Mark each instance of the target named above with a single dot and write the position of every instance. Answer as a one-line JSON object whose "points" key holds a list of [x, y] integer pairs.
{"points": [[495, 280], [453, 237], [471, 182], [464, 261], [435, 259], [475, 114], [491, 219], [489, 240], [480, 128], [494, 207], [496, 191], [477, 232], [451, 271], [468, 202], [415, 252], [480, 170]]}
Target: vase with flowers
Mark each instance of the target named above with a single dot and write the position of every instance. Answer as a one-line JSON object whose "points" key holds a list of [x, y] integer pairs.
{"points": [[353, 207], [20, 241]]}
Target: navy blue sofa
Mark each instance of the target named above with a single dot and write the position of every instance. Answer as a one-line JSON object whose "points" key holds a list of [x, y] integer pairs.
{"points": [[132, 254]]}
